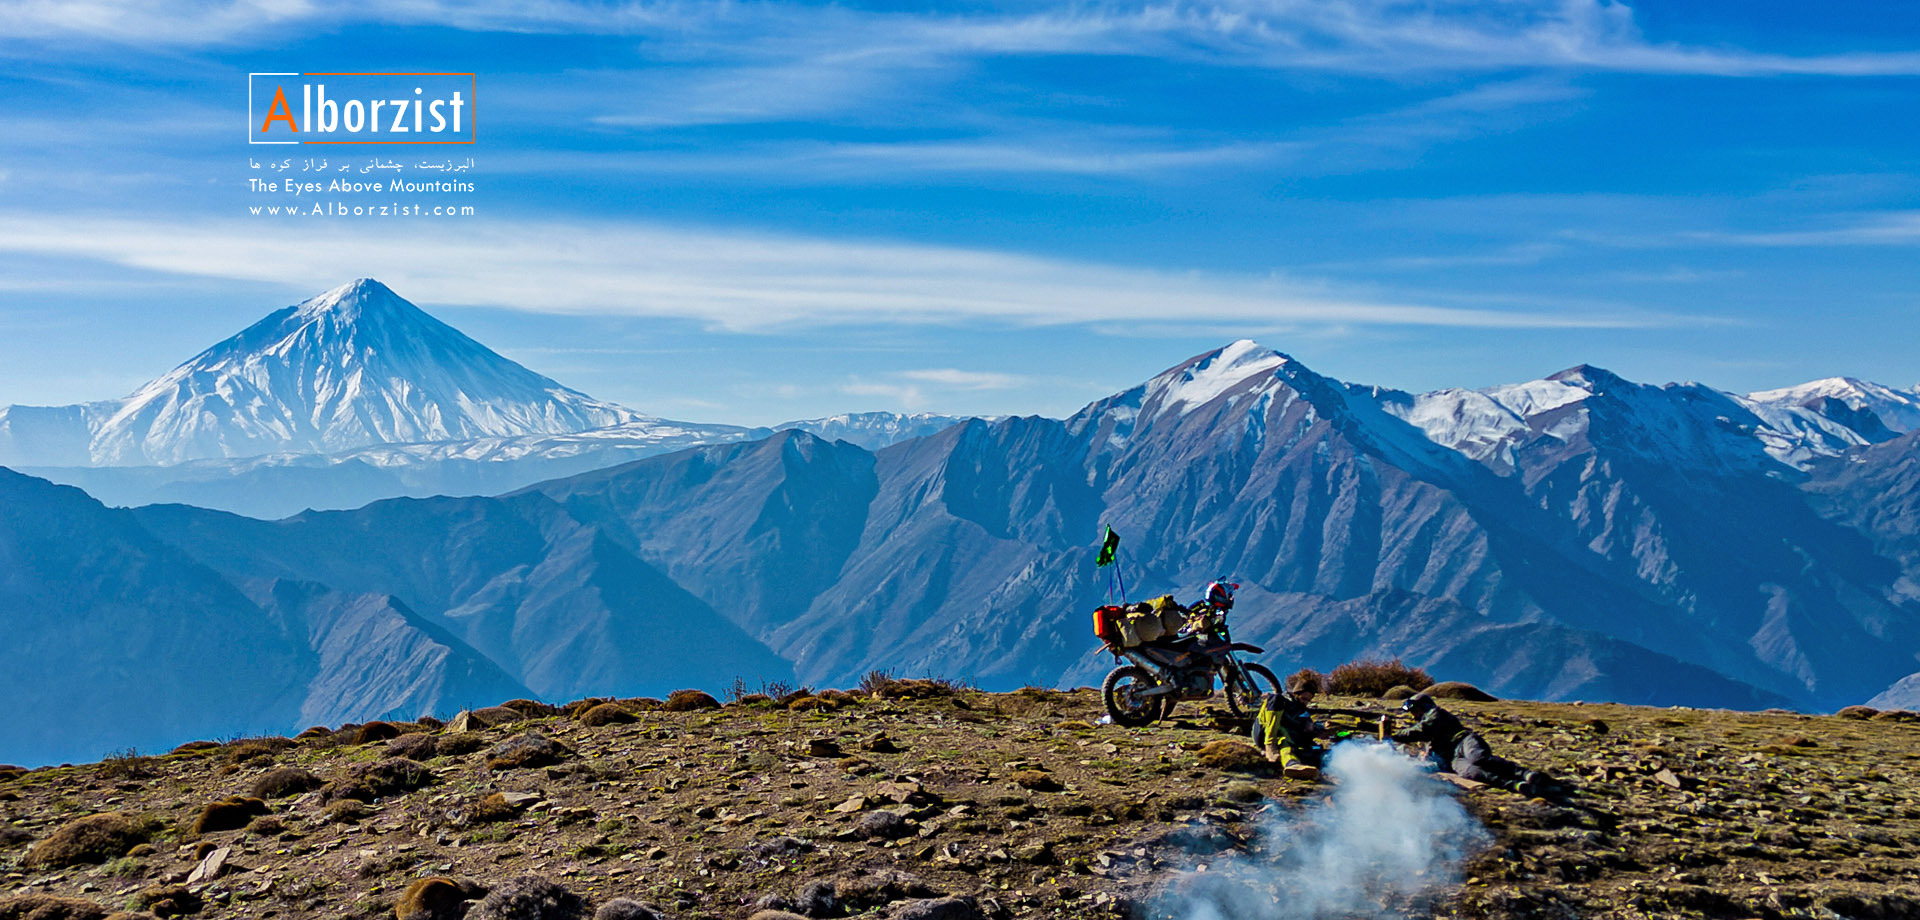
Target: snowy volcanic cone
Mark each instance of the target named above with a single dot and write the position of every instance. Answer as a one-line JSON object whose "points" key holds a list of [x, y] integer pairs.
{"points": [[353, 367]]}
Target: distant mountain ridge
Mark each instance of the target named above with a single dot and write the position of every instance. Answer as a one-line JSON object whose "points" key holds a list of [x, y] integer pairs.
{"points": [[874, 430], [353, 396], [116, 639], [1582, 536]]}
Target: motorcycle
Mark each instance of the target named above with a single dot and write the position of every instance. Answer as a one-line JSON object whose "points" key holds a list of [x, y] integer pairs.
{"points": [[1160, 674]]}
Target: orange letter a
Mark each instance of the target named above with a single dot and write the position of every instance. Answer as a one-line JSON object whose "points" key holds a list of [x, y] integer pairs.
{"points": [[279, 105]]}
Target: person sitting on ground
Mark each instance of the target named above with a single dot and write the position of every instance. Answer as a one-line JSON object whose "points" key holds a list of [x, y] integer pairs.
{"points": [[1461, 751], [1284, 729]]}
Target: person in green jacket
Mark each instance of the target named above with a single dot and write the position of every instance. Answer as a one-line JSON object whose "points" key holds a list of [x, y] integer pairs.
{"points": [[1285, 732]]}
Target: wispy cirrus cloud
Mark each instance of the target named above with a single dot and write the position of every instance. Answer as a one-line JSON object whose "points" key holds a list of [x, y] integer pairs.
{"points": [[914, 390], [1367, 36], [1089, 152], [742, 281], [1897, 228], [964, 379]]}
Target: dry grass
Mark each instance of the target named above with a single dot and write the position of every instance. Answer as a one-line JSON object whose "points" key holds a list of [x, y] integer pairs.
{"points": [[369, 781], [432, 898], [1036, 780], [229, 814], [458, 744], [1306, 680], [376, 731], [1228, 755], [689, 701], [608, 714], [127, 764], [1373, 678], [530, 749], [93, 839], [532, 709], [283, 782]]}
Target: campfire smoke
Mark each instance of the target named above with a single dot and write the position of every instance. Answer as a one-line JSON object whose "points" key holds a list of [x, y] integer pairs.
{"points": [[1385, 841]]}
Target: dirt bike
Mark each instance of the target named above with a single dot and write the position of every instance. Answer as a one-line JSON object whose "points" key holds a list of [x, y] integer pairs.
{"points": [[1161, 673]]}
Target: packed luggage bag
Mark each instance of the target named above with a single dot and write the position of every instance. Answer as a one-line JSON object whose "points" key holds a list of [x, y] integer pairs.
{"points": [[1106, 623], [1137, 624], [1173, 617]]}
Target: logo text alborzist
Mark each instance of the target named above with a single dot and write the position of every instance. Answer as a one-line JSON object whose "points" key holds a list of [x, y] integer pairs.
{"points": [[360, 108]]}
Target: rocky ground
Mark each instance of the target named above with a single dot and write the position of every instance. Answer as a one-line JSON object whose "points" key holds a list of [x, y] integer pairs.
{"points": [[1020, 803]]}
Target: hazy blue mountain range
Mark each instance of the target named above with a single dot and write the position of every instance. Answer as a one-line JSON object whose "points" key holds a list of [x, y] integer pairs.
{"points": [[873, 430], [1626, 542], [1580, 536], [116, 639]]}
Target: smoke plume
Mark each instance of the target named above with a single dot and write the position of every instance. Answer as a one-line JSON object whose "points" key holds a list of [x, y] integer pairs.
{"points": [[1386, 840]]}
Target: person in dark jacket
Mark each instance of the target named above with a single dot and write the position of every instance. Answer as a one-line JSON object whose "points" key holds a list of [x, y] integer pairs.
{"points": [[1461, 751], [1285, 732]]}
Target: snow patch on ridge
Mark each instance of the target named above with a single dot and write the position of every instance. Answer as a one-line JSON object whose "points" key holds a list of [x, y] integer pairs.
{"points": [[1210, 376], [1485, 424], [1794, 426], [1898, 410]]}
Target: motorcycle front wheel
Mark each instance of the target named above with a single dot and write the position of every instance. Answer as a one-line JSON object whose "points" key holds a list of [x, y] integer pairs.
{"points": [[1243, 694], [1121, 691]]}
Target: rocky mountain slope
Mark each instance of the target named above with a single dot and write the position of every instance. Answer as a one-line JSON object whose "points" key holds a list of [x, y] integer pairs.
{"points": [[921, 802], [1578, 537], [117, 639], [1614, 541], [554, 601]]}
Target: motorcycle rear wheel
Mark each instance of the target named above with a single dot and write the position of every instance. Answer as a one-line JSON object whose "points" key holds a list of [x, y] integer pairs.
{"points": [[1121, 694], [1242, 702]]}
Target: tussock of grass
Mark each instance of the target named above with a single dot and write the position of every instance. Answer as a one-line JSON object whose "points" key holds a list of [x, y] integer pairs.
{"points": [[608, 714], [1307, 680], [1231, 755], [228, 814], [431, 898], [689, 701], [254, 751], [530, 749], [1374, 678], [93, 839], [283, 782]]}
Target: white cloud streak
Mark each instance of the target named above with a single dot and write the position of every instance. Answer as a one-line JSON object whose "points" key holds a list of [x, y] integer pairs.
{"points": [[965, 380], [1366, 36], [735, 281], [1901, 228], [1078, 154]]}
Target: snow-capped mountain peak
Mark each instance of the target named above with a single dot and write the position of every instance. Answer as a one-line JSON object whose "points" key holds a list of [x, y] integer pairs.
{"points": [[353, 367], [1794, 426], [1485, 424], [1197, 382], [1845, 399], [348, 301]]}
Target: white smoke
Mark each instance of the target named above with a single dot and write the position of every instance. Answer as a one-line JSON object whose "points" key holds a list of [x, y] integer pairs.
{"points": [[1389, 837]]}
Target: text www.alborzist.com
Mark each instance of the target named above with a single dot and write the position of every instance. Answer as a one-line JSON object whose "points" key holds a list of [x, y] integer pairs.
{"points": [[279, 190]]}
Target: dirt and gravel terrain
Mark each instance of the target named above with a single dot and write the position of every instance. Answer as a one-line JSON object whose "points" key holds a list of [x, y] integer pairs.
{"points": [[927, 801]]}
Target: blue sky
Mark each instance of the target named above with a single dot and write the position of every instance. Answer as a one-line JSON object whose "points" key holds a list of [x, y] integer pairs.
{"points": [[751, 212]]}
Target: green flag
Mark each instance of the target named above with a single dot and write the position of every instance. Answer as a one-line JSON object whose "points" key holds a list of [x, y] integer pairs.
{"points": [[1107, 548]]}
